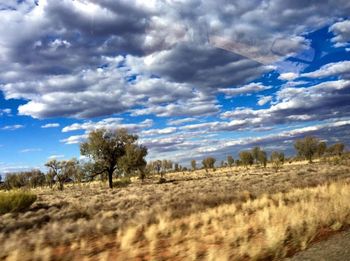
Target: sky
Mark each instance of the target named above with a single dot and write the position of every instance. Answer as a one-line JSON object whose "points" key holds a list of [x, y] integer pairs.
{"points": [[192, 78]]}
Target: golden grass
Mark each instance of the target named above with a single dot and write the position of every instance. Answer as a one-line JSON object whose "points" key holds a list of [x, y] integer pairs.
{"points": [[230, 214], [15, 201], [269, 227]]}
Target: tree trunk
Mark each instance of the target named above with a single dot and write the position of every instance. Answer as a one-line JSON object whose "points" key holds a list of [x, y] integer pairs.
{"points": [[310, 159], [110, 178], [60, 184]]}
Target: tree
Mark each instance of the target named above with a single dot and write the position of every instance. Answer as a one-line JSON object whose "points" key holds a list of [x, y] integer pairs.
{"points": [[246, 158], [277, 160], [105, 148], [208, 163], [61, 170], [134, 159], [166, 165], [321, 149], [307, 147], [176, 167], [193, 165], [262, 158], [255, 153], [238, 162], [157, 166], [50, 179], [230, 161], [336, 149]]}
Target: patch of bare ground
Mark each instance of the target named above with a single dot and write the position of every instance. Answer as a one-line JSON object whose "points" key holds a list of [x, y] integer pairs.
{"points": [[229, 214], [333, 247]]}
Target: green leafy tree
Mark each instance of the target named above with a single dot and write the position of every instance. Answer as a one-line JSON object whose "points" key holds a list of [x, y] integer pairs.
{"points": [[105, 148], [61, 170], [193, 165], [307, 147], [246, 158], [321, 149], [336, 149], [157, 166], [176, 167], [230, 161], [208, 163], [277, 160], [262, 158], [167, 165], [255, 154], [238, 162], [134, 160]]}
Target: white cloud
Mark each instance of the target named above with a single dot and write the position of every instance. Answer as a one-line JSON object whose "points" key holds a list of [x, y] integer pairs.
{"points": [[264, 99], [50, 125], [246, 89], [341, 31], [180, 121], [288, 76], [56, 156], [74, 139], [13, 127], [109, 123], [331, 69], [167, 130], [319, 102], [5, 112], [30, 150]]}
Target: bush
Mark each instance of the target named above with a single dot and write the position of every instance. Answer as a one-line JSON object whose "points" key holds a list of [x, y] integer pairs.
{"points": [[15, 201], [122, 182]]}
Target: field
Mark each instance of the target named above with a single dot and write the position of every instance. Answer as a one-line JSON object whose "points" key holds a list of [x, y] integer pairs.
{"points": [[227, 214]]}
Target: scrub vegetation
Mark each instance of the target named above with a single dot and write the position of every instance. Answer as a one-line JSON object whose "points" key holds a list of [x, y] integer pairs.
{"points": [[253, 208]]}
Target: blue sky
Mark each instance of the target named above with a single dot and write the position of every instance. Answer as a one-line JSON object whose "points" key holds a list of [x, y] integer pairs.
{"points": [[191, 78]]}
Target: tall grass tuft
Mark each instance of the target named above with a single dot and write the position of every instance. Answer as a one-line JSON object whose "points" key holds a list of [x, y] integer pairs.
{"points": [[15, 201]]}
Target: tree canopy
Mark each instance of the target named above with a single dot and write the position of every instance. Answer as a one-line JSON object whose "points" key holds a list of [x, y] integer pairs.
{"points": [[307, 147], [106, 148]]}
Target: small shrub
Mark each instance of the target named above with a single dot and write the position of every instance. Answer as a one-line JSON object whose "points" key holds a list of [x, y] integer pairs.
{"points": [[162, 180], [15, 201], [122, 182]]}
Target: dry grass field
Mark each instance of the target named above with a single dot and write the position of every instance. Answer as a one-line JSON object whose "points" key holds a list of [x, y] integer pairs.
{"points": [[229, 214]]}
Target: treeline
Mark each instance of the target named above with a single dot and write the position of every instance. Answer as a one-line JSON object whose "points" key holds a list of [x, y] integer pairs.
{"points": [[307, 148], [110, 154]]}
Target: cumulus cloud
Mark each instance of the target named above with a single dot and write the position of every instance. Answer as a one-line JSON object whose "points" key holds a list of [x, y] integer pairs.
{"points": [[319, 102], [76, 68], [264, 99], [74, 139], [87, 59], [180, 121], [341, 30], [182, 64], [288, 76], [182, 147], [109, 124], [331, 69], [151, 132]]}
